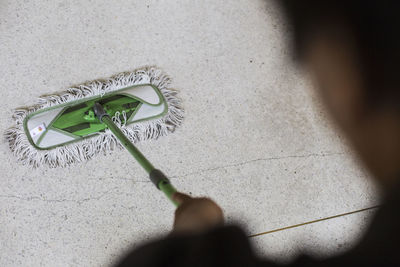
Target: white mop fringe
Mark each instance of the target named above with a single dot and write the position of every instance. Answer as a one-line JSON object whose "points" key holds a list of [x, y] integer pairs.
{"points": [[87, 148]]}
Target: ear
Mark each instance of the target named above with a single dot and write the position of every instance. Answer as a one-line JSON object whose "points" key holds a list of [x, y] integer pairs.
{"points": [[374, 133], [332, 61]]}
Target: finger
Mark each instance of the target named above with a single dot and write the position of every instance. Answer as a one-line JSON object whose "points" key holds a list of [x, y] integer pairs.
{"points": [[180, 197]]}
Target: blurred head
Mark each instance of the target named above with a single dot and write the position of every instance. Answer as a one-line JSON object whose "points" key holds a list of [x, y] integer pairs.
{"points": [[352, 49]]}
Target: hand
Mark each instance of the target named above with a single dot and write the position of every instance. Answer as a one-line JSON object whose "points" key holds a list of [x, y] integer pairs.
{"points": [[196, 214]]}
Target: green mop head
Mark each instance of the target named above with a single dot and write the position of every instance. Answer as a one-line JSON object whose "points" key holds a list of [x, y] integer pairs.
{"points": [[62, 128]]}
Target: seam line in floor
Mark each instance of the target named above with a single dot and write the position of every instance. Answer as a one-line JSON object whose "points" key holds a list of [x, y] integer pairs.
{"points": [[314, 221]]}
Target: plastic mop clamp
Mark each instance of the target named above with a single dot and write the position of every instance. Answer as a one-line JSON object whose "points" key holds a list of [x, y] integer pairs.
{"points": [[156, 176], [95, 117]]}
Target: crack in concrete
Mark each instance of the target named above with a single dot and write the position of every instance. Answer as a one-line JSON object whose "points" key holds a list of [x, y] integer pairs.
{"points": [[77, 201], [80, 201], [230, 166], [257, 160], [119, 178]]}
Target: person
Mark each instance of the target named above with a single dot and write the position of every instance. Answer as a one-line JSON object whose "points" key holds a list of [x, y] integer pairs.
{"points": [[351, 49]]}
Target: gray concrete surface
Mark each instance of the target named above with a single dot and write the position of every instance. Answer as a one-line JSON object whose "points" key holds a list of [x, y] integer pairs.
{"points": [[255, 137]]}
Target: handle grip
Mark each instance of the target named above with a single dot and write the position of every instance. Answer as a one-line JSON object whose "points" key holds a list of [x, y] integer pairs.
{"points": [[162, 183]]}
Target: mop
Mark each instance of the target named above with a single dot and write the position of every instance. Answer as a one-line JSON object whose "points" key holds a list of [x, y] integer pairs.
{"points": [[96, 117]]}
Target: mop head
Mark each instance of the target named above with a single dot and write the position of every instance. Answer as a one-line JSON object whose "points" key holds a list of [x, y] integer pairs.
{"points": [[75, 143]]}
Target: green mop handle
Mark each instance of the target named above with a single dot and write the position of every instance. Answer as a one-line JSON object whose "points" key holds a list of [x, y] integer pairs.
{"points": [[156, 176]]}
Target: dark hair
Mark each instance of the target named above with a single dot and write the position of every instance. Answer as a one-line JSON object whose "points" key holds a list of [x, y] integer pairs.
{"points": [[373, 25]]}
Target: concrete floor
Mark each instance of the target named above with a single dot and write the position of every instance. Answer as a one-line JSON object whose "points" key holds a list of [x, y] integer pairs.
{"points": [[254, 137]]}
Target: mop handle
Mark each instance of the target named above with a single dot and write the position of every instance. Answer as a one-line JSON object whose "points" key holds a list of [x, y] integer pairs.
{"points": [[156, 176]]}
